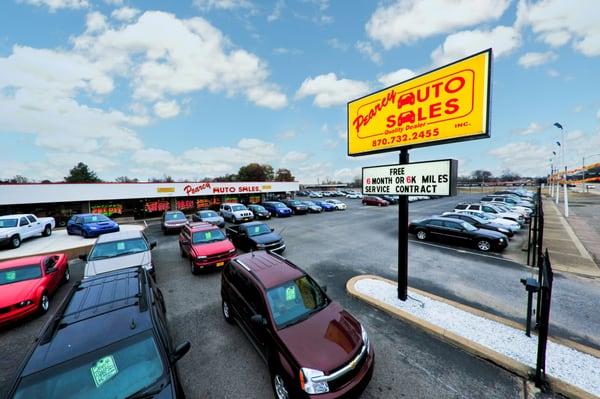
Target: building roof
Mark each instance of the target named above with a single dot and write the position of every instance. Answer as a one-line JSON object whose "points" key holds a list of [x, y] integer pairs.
{"points": [[270, 269]]}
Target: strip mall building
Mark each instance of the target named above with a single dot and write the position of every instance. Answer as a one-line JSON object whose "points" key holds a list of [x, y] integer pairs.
{"points": [[138, 200]]}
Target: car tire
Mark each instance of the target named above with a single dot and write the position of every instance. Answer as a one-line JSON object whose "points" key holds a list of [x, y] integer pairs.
{"points": [[44, 303], [15, 241], [422, 235], [226, 309], [67, 276], [484, 245], [84, 234], [378, 204], [47, 231], [280, 387], [69, 232], [193, 268]]}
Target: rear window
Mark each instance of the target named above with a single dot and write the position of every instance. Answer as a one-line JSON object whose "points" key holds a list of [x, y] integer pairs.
{"points": [[461, 206], [175, 216], [95, 219]]}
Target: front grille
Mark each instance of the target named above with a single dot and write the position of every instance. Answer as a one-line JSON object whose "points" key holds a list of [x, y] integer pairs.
{"points": [[272, 245], [339, 383], [217, 257]]}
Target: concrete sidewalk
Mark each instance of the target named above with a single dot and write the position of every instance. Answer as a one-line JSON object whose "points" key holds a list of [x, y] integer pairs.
{"points": [[567, 252]]}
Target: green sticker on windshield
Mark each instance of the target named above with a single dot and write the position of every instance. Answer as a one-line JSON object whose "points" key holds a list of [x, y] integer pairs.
{"points": [[208, 235], [290, 293], [120, 246], [104, 370], [11, 276], [256, 229], [94, 218]]}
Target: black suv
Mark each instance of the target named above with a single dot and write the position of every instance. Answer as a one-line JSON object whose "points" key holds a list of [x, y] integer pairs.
{"points": [[108, 339]]}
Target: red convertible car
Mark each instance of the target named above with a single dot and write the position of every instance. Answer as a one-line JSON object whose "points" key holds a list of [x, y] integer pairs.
{"points": [[26, 284]]}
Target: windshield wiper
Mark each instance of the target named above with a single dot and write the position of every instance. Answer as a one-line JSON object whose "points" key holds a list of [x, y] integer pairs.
{"points": [[147, 392]]}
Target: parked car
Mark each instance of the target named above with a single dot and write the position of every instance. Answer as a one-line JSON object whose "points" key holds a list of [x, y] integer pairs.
{"points": [[204, 245], [326, 206], [315, 194], [509, 201], [392, 199], [313, 207], [119, 250], [491, 209], [173, 221], [302, 193], [510, 224], [27, 284], [339, 205], [297, 207], [504, 207], [259, 211], [327, 193], [353, 195], [16, 228], [236, 213], [91, 225], [255, 236], [311, 345], [209, 216], [278, 209], [480, 223], [107, 340], [373, 200], [452, 231]]}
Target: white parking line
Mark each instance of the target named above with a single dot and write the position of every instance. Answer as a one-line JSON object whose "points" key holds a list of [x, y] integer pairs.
{"points": [[463, 251]]}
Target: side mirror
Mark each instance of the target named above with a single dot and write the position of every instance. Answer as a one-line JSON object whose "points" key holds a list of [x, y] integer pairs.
{"points": [[83, 257], [185, 242], [180, 352], [272, 229], [324, 288], [258, 320], [153, 245]]}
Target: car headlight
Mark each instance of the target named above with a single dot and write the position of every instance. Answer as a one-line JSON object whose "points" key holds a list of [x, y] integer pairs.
{"points": [[232, 250], [261, 246], [4, 235], [308, 385], [93, 228], [365, 337], [501, 230], [200, 257], [24, 303]]}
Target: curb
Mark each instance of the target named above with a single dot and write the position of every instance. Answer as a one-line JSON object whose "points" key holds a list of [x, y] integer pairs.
{"points": [[478, 350]]}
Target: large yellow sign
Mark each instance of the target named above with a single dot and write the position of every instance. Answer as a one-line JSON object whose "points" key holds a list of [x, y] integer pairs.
{"points": [[446, 105]]}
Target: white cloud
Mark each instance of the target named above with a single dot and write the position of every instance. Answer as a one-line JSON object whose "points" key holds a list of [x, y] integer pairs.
{"points": [[96, 22], [406, 21], [574, 136], [527, 159], [330, 144], [502, 39], [54, 5], [558, 22], [396, 77], [533, 128], [295, 156], [286, 135], [114, 2], [125, 13], [532, 59], [337, 44], [206, 5], [347, 174], [578, 108], [367, 49], [277, 10], [553, 73], [328, 90], [166, 109]]}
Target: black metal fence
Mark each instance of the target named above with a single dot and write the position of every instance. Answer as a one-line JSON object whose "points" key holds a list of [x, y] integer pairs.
{"points": [[535, 240], [546, 278]]}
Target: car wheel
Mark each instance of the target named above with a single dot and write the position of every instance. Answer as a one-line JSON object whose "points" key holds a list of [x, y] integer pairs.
{"points": [[226, 311], [484, 245], [15, 241], [67, 276], [421, 235], [84, 234], [279, 386], [47, 231], [44, 303], [193, 268], [69, 232], [379, 204]]}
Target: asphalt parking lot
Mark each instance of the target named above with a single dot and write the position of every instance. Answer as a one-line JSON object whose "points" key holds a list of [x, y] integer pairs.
{"points": [[334, 247]]}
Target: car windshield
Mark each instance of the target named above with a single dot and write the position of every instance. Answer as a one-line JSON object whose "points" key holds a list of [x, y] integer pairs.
{"points": [[279, 205], [113, 249], [204, 237], [175, 216], [208, 214], [258, 208], [115, 371], [258, 229], [95, 219], [21, 273], [295, 301], [309, 203], [238, 208], [4, 223], [468, 226], [294, 202]]}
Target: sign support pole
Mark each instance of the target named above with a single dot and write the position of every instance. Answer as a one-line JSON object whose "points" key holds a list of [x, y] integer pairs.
{"points": [[403, 237]]}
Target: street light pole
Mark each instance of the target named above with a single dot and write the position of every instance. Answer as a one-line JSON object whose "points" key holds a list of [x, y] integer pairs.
{"points": [[562, 147]]}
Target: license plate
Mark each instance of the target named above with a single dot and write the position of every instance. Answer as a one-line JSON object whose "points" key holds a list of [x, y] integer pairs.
{"points": [[220, 264]]}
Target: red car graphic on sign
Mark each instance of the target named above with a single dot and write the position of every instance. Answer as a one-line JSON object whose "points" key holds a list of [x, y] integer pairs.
{"points": [[405, 99], [407, 116]]}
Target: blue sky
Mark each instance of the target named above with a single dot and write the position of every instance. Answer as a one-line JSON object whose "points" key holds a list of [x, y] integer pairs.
{"points": [[197, 88]]}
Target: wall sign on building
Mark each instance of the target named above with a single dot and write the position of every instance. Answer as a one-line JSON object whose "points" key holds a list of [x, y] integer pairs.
{"points": [[445, 105], [420, 178]]}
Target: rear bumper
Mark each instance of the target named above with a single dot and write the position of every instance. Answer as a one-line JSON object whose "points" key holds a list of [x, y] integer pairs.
{"points": [[169, 228]]}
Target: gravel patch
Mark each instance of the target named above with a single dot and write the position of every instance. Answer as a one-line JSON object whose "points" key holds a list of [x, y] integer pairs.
{"points": [[562, 362]]}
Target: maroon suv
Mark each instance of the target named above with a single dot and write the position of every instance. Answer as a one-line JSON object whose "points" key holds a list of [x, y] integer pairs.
{"points": [[312, 346], [372, 200]]}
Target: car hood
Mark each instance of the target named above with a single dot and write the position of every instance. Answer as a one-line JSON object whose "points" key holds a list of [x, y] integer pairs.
{"points": [[94, 267], [213, 248], [214, 219], [17, 292], [490, 233], [325, 341], [266, 238], [498, 225]]}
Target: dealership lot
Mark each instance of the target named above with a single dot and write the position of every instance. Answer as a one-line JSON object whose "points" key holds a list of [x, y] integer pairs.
{"points": [[333, 247]]}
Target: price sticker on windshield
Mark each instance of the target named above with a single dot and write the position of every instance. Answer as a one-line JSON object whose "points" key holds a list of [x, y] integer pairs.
{"points": [[104, 370], [11, 276], [121, 246], [208, 235], [256, 229], [290, 293]]}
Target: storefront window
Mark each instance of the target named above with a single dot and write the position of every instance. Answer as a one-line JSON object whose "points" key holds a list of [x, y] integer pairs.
{"points": [[108, 209]]}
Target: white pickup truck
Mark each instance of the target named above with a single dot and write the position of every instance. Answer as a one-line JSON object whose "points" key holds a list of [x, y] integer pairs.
{"points": [[236, 213], [16, 228]]}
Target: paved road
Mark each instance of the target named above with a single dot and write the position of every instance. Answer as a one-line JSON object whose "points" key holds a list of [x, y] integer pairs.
{"points": [[334, 247]]}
